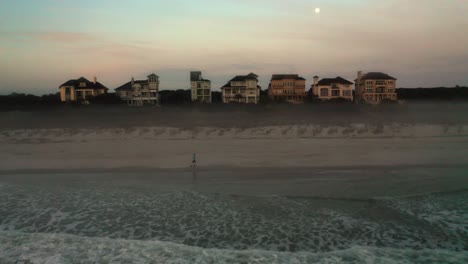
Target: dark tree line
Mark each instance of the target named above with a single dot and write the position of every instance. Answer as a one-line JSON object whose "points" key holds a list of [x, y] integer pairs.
{"points": [[440, 93], [21, 100], [184, 97], [175, 97], [108, 98]]}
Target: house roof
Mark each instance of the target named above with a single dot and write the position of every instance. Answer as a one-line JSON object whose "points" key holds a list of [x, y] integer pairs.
{"points": [[286, 76], [377, 76], [125, 87], [228, 85], [89, 85], [196, 76], [128, 86], [337, 80], [241, 78]]}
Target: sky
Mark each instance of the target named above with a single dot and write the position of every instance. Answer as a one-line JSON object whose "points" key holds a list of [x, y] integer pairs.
{"points": [[43, 43]]}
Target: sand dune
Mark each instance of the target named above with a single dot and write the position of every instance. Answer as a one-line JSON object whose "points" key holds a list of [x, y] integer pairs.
{"points": [[267, 132], [269, 146]]}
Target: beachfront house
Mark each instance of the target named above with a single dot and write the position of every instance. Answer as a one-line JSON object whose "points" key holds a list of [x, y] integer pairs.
{"points": [[287, 88], [375, 87], [140, 92], [81, 90], [242, 89], [332, 88], [201, 88]]}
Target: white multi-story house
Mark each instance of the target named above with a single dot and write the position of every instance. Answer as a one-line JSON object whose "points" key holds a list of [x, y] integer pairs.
{"points": [[333, 88], [242, 89], [140, 92], [201, 88]]}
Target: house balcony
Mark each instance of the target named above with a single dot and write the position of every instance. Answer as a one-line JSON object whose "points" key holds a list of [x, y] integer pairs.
{"points": [[234, 94], [149, 98], [377, 97], [381, 93]]}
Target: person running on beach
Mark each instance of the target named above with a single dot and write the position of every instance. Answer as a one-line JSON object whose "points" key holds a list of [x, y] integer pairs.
{"points": [[194, 160]]}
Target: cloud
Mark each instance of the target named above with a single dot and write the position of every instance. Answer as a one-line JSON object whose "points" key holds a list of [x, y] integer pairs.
{"points": [[84, 46], [64, 37]]}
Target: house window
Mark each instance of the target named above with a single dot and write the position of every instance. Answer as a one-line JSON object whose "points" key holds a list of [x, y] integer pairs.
{"points": [[380, 82], [198, 85], [381, 90], [335, 93], [390, 82], [324, 92], [82, 84], [369, 82], [370, 89], [334, 86], [347, 93]]}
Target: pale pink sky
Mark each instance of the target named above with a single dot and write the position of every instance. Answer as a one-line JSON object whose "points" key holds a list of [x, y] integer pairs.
{"points": [[45, 43]]}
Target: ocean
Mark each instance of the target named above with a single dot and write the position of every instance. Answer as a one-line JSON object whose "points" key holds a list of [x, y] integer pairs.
{"points": [[406, 214]]}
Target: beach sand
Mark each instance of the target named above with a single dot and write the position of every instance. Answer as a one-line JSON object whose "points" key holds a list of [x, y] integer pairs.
{"points": [[273, 146]]}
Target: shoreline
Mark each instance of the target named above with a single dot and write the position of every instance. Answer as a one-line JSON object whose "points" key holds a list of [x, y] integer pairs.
{"points": [[363, 184], [212, 169]]}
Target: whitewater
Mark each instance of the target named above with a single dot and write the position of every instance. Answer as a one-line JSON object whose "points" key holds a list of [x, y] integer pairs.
{"points": [[177, 216]]}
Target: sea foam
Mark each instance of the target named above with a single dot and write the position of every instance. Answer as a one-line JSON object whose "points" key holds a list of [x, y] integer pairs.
{"points": [[59, 248]]}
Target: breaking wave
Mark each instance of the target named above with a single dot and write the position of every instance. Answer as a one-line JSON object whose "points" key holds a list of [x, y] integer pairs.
{"points": [[60, 248], [232, 222]]}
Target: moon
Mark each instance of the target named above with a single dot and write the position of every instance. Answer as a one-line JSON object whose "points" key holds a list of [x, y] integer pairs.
{"points": [[317, 10]]}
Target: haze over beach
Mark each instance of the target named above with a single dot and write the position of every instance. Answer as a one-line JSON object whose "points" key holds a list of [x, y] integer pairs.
{"points": [[354, 170], [44, 43]]}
